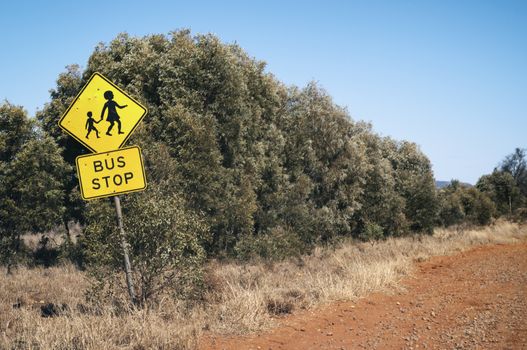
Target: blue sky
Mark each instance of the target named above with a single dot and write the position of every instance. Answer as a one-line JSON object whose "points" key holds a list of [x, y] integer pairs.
{"points": [[448, 75]]}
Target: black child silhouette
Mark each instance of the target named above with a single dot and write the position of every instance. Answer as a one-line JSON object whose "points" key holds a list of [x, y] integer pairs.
{"points": [[90, 126], [112, 117]]}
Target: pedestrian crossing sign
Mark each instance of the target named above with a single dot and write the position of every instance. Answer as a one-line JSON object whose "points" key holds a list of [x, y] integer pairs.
{"points": [[102, 117]]}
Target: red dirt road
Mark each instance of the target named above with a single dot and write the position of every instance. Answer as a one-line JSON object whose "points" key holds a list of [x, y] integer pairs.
{"points": [[473, 300]]}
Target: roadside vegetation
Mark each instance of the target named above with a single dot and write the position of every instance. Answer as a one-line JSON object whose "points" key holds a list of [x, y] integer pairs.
{"points": [[259, 196], [239, 297]]}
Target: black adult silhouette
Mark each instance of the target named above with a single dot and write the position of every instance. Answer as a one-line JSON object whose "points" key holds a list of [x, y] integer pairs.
{"points": [[112, 117], [90, 126]]}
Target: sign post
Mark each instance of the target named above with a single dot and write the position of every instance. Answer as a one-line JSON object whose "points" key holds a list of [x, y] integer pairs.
{"points": [[110, 170], [124, 246]]}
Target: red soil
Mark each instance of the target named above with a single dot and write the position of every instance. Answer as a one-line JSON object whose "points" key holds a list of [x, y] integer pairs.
{"points": [[473, 300]]}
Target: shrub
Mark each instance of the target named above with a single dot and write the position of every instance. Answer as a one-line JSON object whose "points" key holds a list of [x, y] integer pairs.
{"points": [[372, 232], [460, 204], [165, 245], [278, 244], [520, 215]]}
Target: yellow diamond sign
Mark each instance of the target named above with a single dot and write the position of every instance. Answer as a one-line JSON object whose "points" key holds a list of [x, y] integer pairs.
{"points": [[111, 173], [102, 116]]}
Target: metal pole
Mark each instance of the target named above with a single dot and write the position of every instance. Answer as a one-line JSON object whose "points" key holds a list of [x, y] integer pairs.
{"points": [[124, 245]]}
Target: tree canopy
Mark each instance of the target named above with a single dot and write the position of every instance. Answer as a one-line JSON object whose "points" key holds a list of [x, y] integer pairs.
{"points": [[249, 153], [32, 186]]}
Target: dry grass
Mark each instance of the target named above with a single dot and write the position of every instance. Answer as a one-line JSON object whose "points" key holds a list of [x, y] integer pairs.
{"points": [[55, 237], [82, 327], [241, 299]]}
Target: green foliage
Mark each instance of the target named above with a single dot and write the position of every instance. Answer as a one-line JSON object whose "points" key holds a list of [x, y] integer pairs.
{"points": [[31, 181], [520, 215], [516, 165], [502, 189], [415, 183], [37, 185], [460, 204], [252, 157], [507, 186], [501, 193], [478, 207], [323, 155], [451, 210], [372, 232], [15, 130], [69, 84], [382, 204], [278, 244], [165, 244]]}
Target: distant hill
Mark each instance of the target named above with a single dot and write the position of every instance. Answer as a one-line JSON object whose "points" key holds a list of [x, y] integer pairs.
{"points": [[443, 184]]}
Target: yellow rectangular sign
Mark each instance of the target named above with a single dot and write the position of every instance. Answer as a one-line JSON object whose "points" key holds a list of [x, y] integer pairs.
{"points": [[111, 173]]}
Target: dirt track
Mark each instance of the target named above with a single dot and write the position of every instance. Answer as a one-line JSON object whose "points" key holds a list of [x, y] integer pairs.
{"points": [[473, 300]]}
